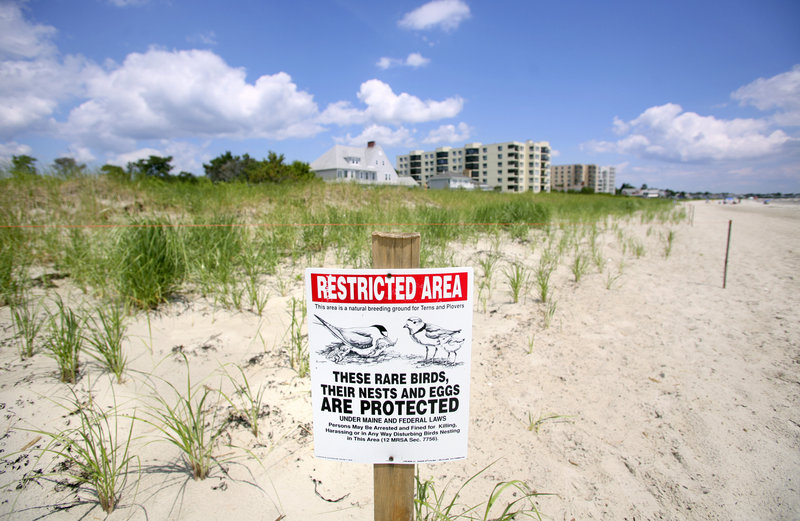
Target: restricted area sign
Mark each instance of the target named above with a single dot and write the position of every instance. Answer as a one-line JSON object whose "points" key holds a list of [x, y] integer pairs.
{"points": [[390, 363]]}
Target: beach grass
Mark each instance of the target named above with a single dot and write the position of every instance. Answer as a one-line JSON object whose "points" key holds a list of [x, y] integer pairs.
{"points": [[28, 322], [508, 500], [188, 422], [66, 340], [95, 452], [106, 335], [153, 239]]}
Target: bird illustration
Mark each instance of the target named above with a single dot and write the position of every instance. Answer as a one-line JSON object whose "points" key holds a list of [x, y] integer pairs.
{"points": [[432, 336], [365, 341]]}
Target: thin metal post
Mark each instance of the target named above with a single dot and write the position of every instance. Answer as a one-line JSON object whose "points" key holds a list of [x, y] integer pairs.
{"points": [[727, 250]]}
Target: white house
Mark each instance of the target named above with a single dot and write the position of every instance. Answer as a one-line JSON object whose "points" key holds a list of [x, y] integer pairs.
{"points": [[367, 165]]}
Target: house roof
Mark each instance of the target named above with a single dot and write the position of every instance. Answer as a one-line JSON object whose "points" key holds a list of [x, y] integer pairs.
{"points": [[362, 158]]}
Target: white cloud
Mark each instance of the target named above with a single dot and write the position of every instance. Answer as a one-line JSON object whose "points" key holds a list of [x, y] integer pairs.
{"points": [[667, 132], [207, 38], [185, 156], [20, 39], [384, 63], [126, 3], [414, 60], [175, 94], [34, 79], [159, 100], [385, 136], [13, 149], [383, 106], [781, 92], [447, 14], [449, 134]]}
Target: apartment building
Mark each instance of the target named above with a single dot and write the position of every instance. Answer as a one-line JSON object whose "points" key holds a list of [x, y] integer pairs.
{"points": [[576, 177], [513, 166]]}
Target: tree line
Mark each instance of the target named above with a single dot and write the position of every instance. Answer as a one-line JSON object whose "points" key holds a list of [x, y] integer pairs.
{"points": [[222, 169]]}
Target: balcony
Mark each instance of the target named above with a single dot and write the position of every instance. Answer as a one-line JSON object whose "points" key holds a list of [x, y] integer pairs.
{"points": [[442, 154]]}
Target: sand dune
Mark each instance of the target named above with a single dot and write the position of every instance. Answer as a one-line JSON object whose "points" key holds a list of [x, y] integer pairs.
{"points": [[673, 397]]}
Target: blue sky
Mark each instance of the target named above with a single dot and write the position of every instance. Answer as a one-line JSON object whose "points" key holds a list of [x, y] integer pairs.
{"points": [[688, 95]]}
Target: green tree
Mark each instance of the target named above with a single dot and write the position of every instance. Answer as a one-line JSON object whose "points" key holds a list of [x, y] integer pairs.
{"points": [[154, 166], [23, 165], [186, 177], [227, 167], [67, 167]]}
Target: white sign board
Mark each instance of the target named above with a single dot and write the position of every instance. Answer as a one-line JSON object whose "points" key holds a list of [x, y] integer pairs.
{"points": [[390, 363]]}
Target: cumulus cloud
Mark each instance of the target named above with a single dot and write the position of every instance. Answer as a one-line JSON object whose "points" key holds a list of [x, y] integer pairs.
{"points": [[162, 101], [449, 134], [414, 60], [781, 92], [34, 79], [185, 156], [381, 134], [175, 94], [21, 39], [447, 14], [13, 149], [668, 133], [383, 106]]}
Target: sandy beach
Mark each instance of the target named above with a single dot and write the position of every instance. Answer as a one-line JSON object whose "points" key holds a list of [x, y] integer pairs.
{"points": [[661, 395]]}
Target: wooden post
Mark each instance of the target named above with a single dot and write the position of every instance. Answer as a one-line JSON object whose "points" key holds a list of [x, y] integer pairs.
{"points": [[393, 484], [727, 249]]}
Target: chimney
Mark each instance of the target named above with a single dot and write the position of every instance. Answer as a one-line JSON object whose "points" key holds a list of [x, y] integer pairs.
{"points": [[370, 144]]}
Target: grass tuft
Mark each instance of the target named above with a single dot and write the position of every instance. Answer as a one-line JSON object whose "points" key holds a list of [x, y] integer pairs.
{"points": [[251, 401], [27, 323], [66, 341], [508, 500], [95, 451], [107, 332], [188, 423], [298, 342], [149, 267]]}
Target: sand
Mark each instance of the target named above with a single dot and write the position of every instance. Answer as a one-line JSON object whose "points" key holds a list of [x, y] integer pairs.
{"points": [[675, 398]]}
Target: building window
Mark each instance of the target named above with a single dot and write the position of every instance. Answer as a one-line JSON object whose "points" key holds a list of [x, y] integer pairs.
{"points": [[499, 156]]}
